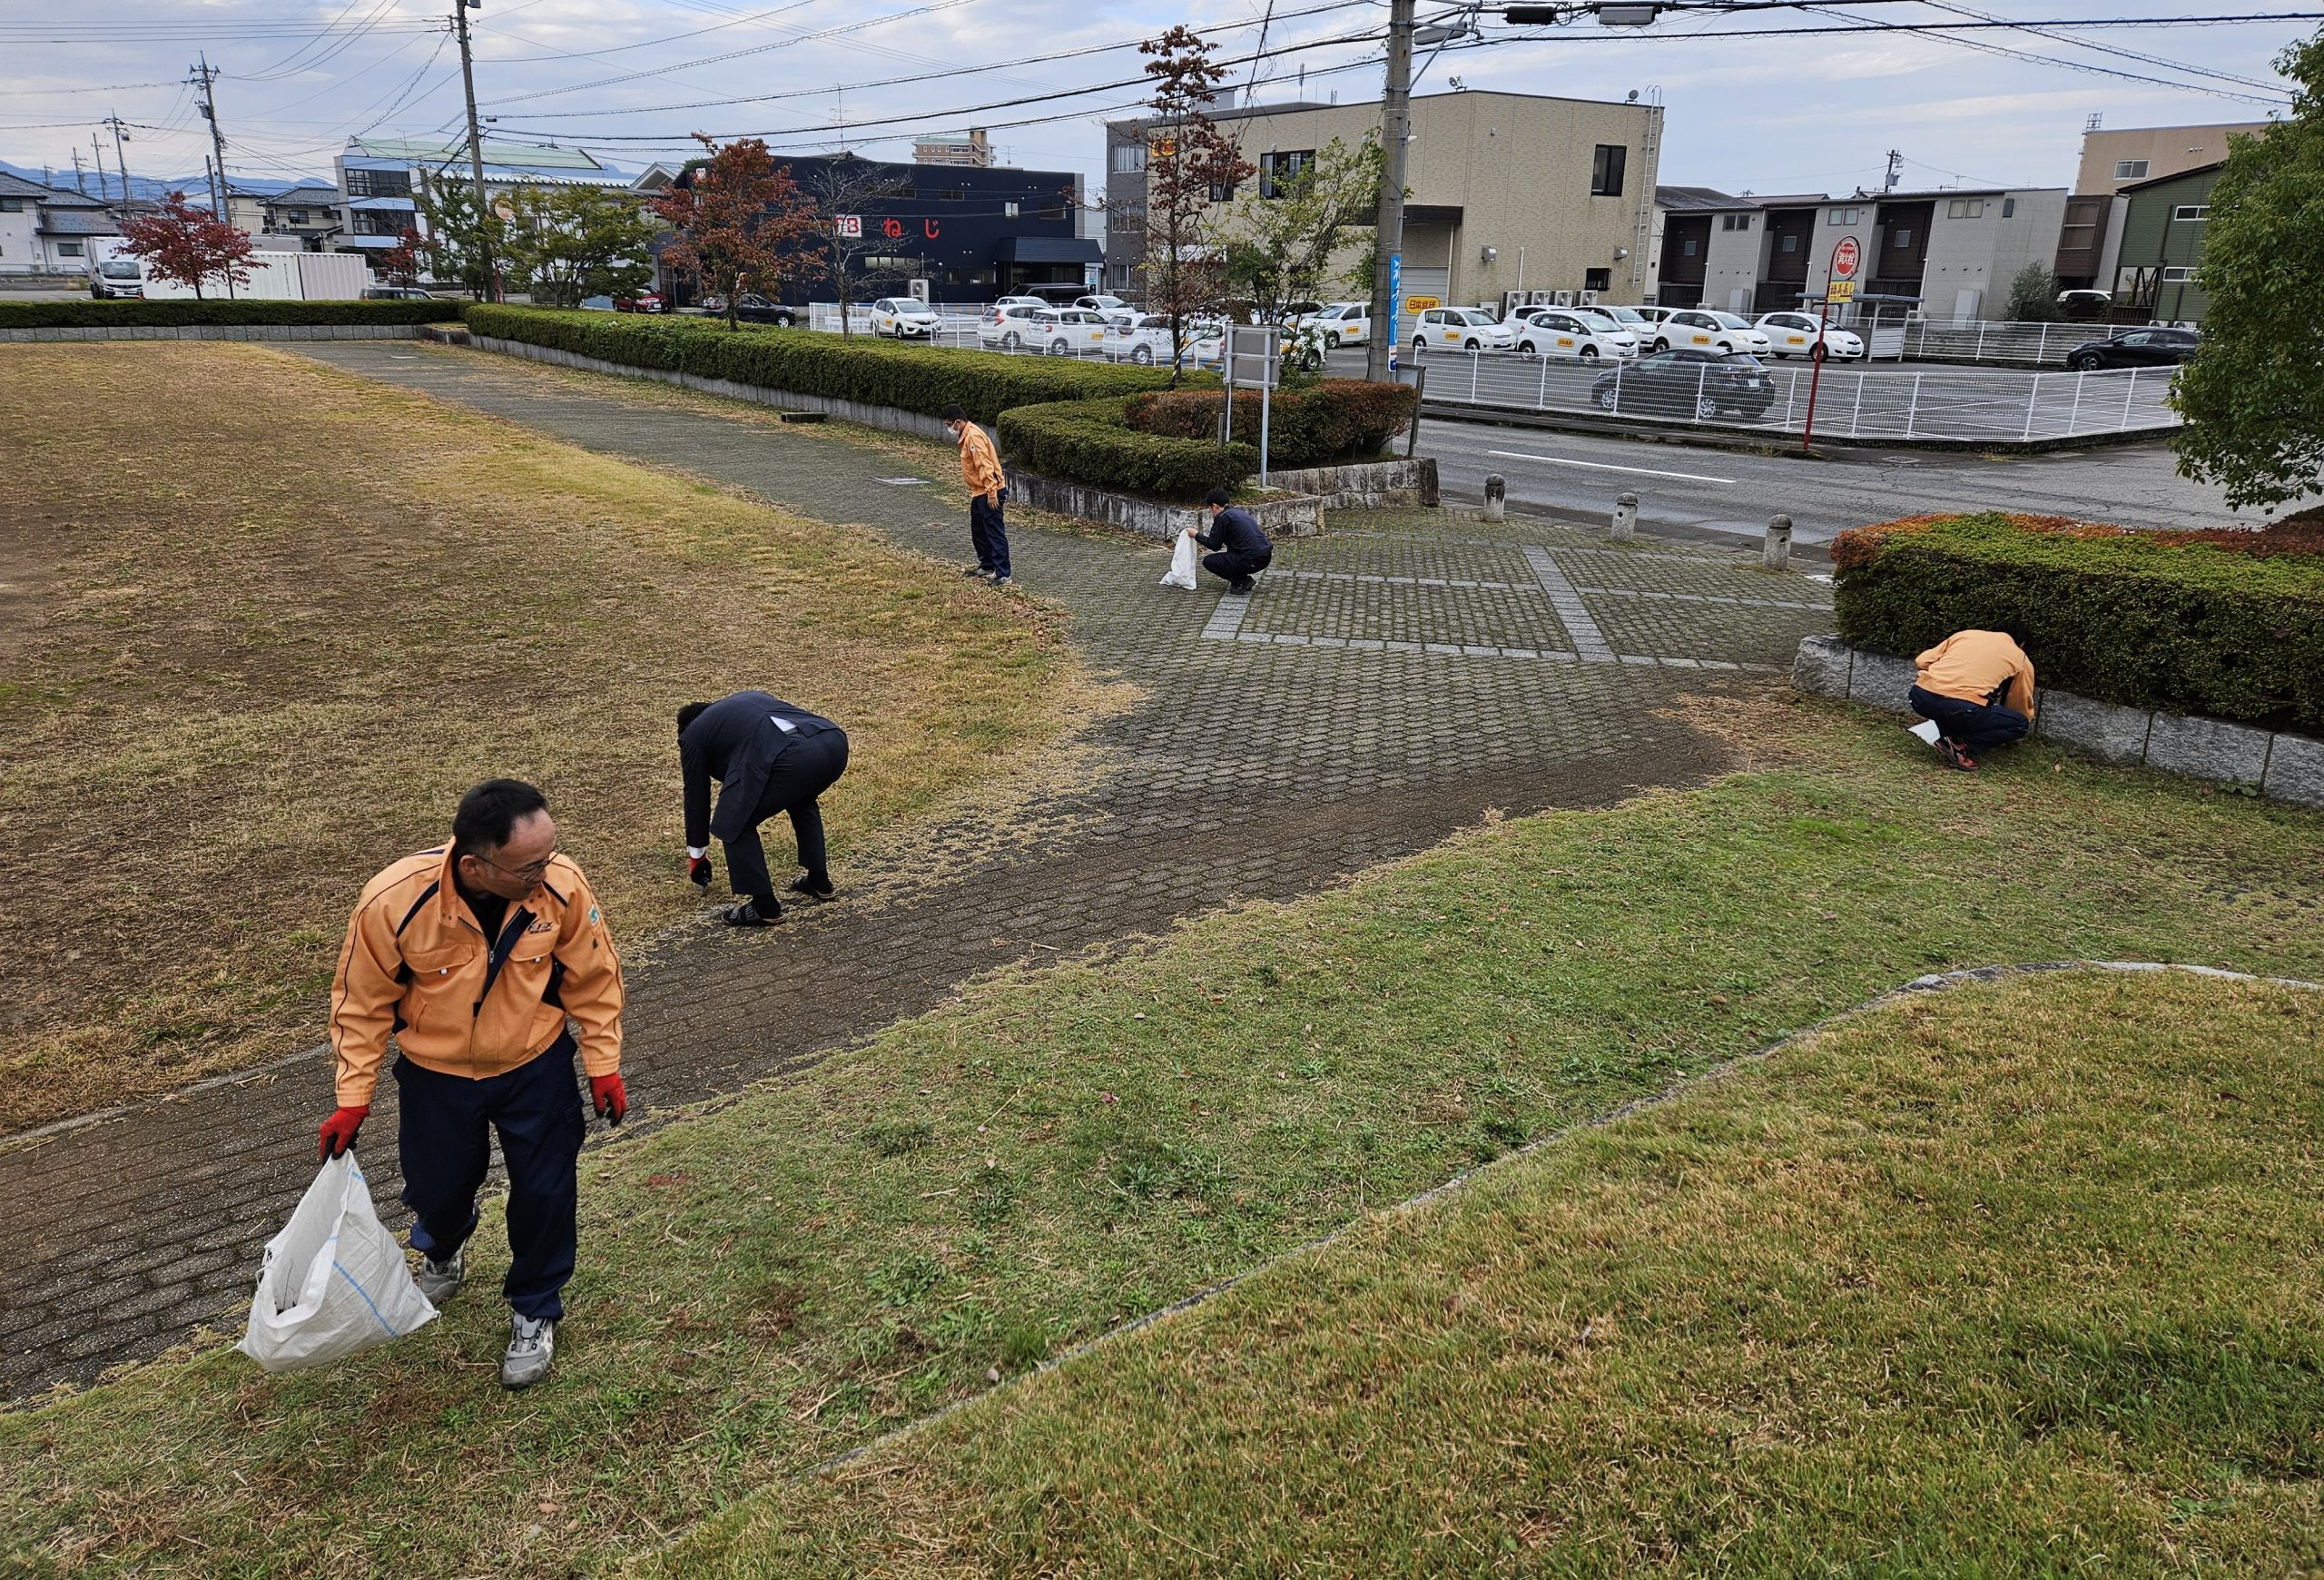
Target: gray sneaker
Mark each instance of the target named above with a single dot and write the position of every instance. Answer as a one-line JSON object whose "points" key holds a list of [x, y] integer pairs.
{"points": [[440, 1281], [531, 1345]]}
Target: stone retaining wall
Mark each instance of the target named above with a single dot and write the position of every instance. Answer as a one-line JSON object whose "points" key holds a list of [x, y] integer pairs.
{"points": [[2286, 767], [221, 332], [1290, 516]]}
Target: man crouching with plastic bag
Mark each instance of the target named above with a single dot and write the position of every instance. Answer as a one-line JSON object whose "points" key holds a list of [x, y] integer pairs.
{"points": [[473, 954]]}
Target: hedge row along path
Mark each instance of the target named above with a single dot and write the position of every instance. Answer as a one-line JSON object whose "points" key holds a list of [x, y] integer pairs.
{"points": [[1389, 684]]}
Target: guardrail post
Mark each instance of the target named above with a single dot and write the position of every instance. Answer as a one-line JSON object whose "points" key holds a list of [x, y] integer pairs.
{"points": [[1496, 496], [2130, 388], [1776, 551], [1476, 361], [1858, 411], [1790, 393], [1702, 382], [1625, 522], [2033, 400], [2041, 349], [1914, 410], [1979, 355], [2074, 418], [1542, 401]]}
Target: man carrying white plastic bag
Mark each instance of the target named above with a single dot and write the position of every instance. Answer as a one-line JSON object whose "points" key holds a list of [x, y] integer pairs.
{"points": [[334, 1282]]}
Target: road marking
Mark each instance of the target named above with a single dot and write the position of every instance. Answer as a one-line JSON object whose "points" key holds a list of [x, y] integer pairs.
{"points": [[1607, 467]]}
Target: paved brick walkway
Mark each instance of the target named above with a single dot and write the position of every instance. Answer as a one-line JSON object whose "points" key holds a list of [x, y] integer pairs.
{"points": [[1386, 685]]}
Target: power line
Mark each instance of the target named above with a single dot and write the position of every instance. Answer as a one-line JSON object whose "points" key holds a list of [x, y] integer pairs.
{"points": [[2091, 43]]}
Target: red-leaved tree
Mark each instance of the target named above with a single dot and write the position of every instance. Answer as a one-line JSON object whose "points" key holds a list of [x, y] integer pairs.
{"points": [[400, 263], [188, 245], [1191, 168], [739, 221]]}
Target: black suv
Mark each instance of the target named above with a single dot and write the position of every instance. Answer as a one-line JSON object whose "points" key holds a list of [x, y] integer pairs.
{"points": [[752, 308], [2139, 348], [1687, 383]]}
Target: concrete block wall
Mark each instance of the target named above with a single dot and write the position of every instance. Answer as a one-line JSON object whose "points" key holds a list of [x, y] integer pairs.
{"points": [[2285, 766], [220, 332]]}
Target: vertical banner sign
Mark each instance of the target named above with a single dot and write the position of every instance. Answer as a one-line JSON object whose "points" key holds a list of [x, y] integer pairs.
{"points": [[1395, 303]]}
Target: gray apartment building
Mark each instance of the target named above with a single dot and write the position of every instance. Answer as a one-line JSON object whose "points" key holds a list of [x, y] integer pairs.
{"points": [[1948, 254], [1505, 192]]}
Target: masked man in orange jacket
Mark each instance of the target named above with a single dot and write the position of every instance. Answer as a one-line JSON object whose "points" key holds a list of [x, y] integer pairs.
{"points": [[473, 954]]}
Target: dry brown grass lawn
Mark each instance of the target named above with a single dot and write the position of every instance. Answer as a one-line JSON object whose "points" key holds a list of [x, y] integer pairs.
{"points": [[262, 622]]}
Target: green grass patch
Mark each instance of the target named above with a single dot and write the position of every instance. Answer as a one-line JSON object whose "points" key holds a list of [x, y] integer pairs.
{"points": [[2019, 1280], [787, 1276]]}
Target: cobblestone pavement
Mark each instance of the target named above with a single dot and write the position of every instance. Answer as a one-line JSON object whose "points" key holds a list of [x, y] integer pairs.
{"points": [[1387, 684]]}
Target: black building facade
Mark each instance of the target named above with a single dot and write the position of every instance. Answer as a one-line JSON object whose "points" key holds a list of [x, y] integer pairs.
{"points": [[972, 233]]}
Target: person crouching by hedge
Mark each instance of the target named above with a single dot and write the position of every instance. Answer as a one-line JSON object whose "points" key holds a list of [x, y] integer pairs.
{"points": [[1240, 549], [988, 491], [1977, 689]]}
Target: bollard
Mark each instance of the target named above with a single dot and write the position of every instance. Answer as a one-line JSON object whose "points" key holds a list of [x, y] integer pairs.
{"points": [[1779, 545], [1496, 496], [1625, 516]]}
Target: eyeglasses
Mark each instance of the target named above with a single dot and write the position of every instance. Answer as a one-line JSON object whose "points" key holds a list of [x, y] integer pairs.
{"points": [[531, 873]]}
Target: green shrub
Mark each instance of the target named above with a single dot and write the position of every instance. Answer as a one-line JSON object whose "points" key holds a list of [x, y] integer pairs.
{"points": [[2193, 622], [1086, 442], [922, 379], [1339, 419], [172, 313]]}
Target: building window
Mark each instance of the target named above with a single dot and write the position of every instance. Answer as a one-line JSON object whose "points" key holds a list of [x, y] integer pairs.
{"points": [[74, 250], [1900, 240], [2130, 169], [379, 183], [1606, 170], [2135, 287], [2008, 212], [1009, 210], [1222, 194], [16, 206], [1685, 250], [374, 223], [1734, 221], [1277, 168], [1966, 208], [1844, 216], [2175, 275], [2195, 212], [1055, 212], [299, 217], [952, 194], [1591, 279], [1129, 158]]}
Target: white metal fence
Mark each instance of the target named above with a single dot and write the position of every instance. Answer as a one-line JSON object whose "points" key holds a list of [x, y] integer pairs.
{"points": [[2021, 344], [1963, 403]]}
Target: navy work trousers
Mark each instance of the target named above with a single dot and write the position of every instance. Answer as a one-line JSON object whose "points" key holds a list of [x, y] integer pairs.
{"points": [[1234, 567], [808, 767], [447, 1147], [1974, 724], [989, 534]]}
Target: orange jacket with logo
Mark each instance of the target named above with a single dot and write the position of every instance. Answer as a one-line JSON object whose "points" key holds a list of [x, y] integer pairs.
{"points": [[1972, 666], [417, 965], [980, 463]]}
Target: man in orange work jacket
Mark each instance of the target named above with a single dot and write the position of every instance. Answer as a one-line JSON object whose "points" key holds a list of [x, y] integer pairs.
{"points": [[473, 954], [1977, 687], [987, 487]]}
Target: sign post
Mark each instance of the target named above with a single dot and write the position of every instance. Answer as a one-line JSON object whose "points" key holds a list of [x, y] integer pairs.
{"points": [[1838, 286], [1254, 360]]}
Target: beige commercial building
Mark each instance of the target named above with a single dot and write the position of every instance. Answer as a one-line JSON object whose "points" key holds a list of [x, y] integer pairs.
{"points": [[1505, 192], [2112, 161]]}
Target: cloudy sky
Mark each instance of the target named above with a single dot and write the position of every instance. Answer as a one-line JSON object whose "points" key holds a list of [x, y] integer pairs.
{"points": [[630, 79]]}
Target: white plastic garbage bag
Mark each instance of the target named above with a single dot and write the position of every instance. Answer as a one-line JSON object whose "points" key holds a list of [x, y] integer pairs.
{"points": [[334, 1281], [1183, 565]]}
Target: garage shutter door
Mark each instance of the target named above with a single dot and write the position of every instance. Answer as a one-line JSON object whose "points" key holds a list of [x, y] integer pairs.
{"points": [[1432, 283]]}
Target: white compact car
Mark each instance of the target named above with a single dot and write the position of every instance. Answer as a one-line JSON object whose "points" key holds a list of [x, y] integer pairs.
{"points": [[905, 318], [1341, 323], [1794, 335], [1008, 325], [1724, 332], [1557, 331], [1067, 332], [1461, 329]]}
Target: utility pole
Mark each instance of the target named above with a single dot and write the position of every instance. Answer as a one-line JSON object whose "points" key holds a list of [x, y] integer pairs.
{"points": [[1388, 231], [475, 138], [120, 137], [1895, 170], [204, 75], [97, 157], [80, 181]]}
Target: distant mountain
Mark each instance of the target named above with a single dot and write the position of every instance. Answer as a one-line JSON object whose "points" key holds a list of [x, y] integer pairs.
{"points": [[140, 186]]}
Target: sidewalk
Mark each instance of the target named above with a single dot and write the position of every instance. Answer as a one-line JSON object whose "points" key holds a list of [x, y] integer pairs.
{"points": [[1387, 684]]}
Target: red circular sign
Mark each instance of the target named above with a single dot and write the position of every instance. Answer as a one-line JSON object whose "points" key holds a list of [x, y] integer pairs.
{"points": [[1843, 259]]}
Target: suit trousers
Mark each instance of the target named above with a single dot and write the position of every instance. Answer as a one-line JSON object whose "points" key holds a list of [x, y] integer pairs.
{"points": [[809, 766]]}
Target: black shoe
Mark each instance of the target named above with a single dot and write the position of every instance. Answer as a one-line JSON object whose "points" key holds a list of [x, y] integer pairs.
{"points": [[803, 884], [977, 573], [1241, 584], [755, 913]]}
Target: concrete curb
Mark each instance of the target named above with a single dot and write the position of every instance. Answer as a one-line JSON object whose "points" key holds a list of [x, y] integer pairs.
{"points": [[1759, 441], [2280, 765]]}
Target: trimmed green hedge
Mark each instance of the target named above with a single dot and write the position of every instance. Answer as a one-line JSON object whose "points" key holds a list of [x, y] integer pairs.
{"points": [[1339, 419], [2169, 620], [1086, 442], [877, 373], [172, 313]]}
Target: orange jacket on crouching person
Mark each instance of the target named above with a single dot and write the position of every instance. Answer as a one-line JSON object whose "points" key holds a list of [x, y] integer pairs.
{"points": [[417, 965]]}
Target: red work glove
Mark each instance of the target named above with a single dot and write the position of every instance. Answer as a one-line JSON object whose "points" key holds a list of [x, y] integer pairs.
{"points": [[338, 1133], [611, 1101], [698, 870]]}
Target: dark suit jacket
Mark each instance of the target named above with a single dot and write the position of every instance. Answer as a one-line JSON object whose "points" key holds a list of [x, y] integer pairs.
{"points": [[736, 743]]}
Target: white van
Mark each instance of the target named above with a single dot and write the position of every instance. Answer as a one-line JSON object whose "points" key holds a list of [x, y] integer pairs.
{"points": [[116, 277]]}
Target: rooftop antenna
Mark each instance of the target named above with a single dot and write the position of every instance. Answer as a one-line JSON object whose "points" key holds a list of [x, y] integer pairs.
{"points": [[2097, 118]]}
